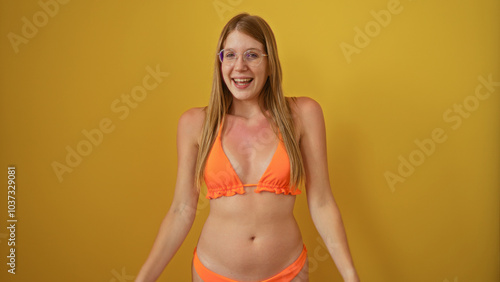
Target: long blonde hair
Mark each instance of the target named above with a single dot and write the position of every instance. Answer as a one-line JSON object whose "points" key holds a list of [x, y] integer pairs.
{"points": [[271, 96]]}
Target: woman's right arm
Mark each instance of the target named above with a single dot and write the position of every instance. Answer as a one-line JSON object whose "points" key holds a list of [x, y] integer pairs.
{"points": [[180, 217]]}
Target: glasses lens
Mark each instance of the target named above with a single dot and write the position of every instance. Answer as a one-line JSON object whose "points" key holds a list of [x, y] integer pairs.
{"points": [[253, 57], [229, 55], [221, 56]]}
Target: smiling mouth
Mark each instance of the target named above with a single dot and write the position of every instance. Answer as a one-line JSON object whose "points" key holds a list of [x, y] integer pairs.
{"points": [[242, 81]]}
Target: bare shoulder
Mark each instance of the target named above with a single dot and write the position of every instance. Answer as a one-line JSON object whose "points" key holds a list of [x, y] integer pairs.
{"points": [[304, 105], [191, 124], [306, 112]]}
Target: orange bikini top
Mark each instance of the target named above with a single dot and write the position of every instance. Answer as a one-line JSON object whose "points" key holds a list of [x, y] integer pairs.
{"points": [[221, 179]]}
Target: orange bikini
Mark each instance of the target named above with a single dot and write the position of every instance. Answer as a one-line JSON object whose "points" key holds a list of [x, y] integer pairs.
{"points": [[285, 275], [221, 180]]}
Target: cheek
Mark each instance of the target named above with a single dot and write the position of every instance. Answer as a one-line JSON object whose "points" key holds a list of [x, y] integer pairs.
{"points": [[263, 74], [225, 74]]}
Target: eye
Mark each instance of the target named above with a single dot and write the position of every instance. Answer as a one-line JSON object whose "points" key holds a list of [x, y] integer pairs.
{"points": [[229, 55], [252, 55]]}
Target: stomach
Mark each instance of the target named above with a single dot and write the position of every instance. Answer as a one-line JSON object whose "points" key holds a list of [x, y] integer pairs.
{"points": [[250, 236]]}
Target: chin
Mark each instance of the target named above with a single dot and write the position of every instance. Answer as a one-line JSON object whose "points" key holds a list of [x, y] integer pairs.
{"points": [[243, 96]]}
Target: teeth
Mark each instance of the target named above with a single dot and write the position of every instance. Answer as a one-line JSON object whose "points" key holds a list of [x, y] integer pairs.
{"points": [[242, 80]]}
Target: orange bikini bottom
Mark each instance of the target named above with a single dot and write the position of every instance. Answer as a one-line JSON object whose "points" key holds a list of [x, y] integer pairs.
{"points": [[286, 275]]}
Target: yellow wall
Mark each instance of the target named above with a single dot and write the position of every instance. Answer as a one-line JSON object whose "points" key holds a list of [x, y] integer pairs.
{"points": [[404, 84]]}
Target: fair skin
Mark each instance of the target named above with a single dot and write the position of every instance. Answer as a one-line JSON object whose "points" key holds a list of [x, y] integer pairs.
{"points": [[244, 233]]}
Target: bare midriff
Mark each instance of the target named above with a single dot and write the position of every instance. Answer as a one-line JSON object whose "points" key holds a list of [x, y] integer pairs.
{"points": [[250, 236]]}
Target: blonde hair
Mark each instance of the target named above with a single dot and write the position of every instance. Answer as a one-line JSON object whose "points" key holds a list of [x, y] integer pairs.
{"points": [[271, 96]]}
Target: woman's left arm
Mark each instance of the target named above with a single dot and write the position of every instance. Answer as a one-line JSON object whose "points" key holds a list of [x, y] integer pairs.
{"points": [[322, 206]]}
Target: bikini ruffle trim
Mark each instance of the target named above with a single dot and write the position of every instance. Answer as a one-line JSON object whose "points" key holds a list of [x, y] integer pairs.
{"points": [[216, 193]]}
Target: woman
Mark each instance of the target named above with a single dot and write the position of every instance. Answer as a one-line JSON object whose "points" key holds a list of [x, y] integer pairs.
{"points": [[253, 147]]}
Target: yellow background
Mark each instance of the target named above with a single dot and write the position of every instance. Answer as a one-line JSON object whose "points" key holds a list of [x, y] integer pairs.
{"points": [[99, 222]]}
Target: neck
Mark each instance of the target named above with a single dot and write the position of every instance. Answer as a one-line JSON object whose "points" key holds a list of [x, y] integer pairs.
{"points": [[245, 108]]}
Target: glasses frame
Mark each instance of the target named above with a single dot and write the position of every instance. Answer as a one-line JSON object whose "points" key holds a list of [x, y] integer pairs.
{"points": [[220, 55]]}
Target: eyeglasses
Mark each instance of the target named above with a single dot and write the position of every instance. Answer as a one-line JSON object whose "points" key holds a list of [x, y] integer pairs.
{"points": [[253, 57]]}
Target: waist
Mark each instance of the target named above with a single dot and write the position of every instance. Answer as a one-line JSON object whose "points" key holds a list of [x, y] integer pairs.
{"points": [[231, 245], [263, 237]]}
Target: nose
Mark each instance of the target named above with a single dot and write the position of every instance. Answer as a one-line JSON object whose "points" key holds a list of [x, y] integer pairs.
{"points": [[240, 63]]}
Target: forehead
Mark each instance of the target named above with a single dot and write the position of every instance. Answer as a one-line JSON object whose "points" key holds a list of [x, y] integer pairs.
{"points": [[237, 40]]}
